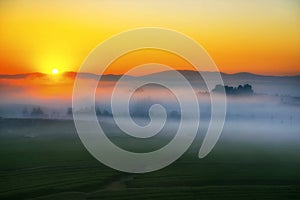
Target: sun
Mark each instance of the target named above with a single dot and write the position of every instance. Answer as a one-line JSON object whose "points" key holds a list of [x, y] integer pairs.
{"points": [[55, 71]]}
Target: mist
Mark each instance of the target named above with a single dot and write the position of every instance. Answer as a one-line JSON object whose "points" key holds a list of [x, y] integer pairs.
{"points": [[270, 114]]}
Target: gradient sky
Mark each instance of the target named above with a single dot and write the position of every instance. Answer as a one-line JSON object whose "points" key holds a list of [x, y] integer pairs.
{"points": [[258, 36]]}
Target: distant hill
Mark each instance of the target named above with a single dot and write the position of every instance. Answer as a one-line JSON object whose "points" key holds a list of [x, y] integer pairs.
{"points": [[273, 85], [192, 75], [106, 77], [189, 74], [21, 76]]}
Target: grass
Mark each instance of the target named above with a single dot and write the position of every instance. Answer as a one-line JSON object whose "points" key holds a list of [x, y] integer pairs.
{"points": [[44, 159]]}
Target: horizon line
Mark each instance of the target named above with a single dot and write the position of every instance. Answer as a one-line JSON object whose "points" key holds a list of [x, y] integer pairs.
{"points": [[116, 74]]}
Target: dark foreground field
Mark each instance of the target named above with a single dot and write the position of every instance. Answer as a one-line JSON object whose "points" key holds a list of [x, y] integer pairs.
{"points": [[44, 159]]}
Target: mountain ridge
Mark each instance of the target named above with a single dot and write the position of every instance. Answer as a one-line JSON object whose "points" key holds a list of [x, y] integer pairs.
{"points": [[72, 74]]}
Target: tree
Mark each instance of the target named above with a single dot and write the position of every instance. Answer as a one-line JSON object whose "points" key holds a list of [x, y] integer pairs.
{"points": [[69, 111], [174, 114], [229, 90], [25, 112], [37, 112]]}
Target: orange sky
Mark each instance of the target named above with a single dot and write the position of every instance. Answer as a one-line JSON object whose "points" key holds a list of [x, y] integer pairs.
{"points": [[140, 57], [255, 36]]}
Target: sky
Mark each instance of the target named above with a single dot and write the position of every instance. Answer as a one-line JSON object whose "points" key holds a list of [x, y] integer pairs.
{"points": [[258, 36]]}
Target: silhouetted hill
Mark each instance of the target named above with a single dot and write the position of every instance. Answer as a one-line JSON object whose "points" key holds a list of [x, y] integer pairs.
{"points": [[189, 74], [20, 76], [106, 77], [274, 85]]}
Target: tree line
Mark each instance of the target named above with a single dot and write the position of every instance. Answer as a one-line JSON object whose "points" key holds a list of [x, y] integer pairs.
{"points": [[229, 90]]}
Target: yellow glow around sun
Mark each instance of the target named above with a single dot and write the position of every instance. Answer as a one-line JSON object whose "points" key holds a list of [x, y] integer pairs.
{"points": [[55, 71]]}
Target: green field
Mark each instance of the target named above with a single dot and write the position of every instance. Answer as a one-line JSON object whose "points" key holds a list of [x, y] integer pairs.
{"points": [[44, 159]]}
